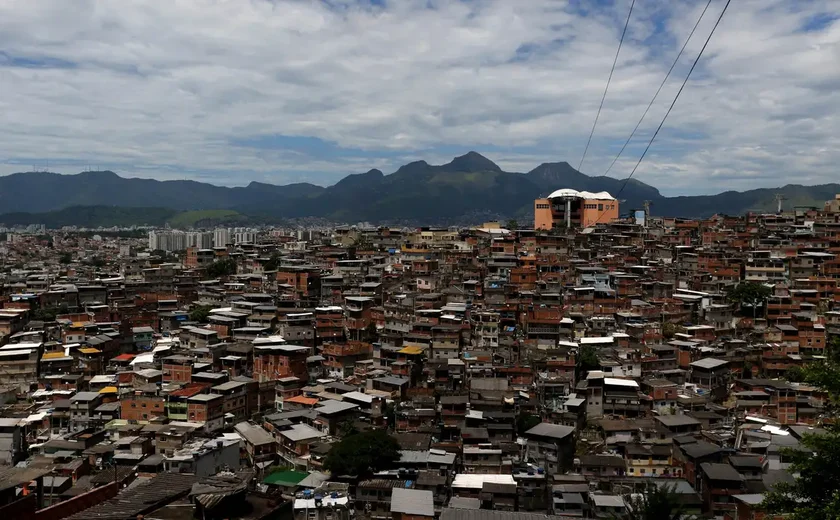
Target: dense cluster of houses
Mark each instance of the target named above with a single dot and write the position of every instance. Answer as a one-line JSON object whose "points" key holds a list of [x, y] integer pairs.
{"points": [[525, 372]]}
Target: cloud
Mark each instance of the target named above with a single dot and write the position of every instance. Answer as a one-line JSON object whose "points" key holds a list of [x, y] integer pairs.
{"points": [[285, 91]]}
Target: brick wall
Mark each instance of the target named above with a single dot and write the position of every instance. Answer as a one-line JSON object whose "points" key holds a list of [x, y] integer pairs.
{"points": [[176, 373], [141, 408]]}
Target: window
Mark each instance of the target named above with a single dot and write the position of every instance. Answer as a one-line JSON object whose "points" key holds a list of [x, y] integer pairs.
{"points": [[600, 207]]}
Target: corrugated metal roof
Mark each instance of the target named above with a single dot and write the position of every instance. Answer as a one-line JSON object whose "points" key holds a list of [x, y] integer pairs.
{"points": [[418, 502], [12, 476], [148, 496]]}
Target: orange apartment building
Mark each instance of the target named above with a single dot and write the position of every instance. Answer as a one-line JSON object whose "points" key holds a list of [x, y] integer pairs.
{"points": [[142, 406], [567, 208]]}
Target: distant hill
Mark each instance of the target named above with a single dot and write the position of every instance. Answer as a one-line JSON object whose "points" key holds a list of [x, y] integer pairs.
{"points": [[108, 216], [203, 218], [91, 216], [469, 188]]}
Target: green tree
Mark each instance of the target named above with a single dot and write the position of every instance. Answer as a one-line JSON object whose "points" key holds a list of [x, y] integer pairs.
{"points": [[361, 242], [49, 313], [669, 330], [347, 428], [588, 360], [526, 421], [200, 313], [655, 503], [96, 261], [390, 415], [273, 263], [224, 267], [363, 454], [815, 493], [65, 258], [512, 224], [749, 295], [795, 374], [371, 332], [833, 349]]}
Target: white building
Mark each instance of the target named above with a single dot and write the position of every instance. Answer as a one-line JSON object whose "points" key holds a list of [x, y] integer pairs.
{"points": [[168, 240], [244, 237], [200, 239], [221, 237]]}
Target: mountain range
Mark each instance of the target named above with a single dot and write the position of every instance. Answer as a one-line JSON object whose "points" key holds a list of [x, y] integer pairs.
{"points": [[470, 188]]}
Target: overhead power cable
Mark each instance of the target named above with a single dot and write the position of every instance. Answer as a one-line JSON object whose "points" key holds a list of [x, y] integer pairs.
{"points": [[674, 102], [674, 64], [609, 78]]}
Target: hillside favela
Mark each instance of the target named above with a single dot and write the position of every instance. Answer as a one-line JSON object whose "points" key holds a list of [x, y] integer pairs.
{"points": [[526, 308]]}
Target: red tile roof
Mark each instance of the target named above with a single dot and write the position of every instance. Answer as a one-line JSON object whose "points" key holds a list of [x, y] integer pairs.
{"points": [[190, 390]]}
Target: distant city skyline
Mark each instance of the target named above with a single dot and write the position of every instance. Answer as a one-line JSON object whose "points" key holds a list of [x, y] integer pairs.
{"points": [[285, 91]]}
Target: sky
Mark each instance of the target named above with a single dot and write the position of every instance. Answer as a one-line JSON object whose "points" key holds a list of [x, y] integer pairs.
{"points": [[233, 91]]}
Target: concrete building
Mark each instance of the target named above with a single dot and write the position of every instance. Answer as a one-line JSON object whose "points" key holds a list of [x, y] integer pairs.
{"points": [[12, 447], [82, 406], [19, 364], [568, 208], [204, 457], [259, 444], [167, 240], [221, 237], [200, 239], [551, 446]]}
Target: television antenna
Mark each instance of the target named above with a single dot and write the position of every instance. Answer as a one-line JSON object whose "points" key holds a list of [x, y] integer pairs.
{"points": [[779, 198]]}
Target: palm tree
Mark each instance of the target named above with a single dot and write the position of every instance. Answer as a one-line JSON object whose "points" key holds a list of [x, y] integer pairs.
{"points": [[656, 503]]}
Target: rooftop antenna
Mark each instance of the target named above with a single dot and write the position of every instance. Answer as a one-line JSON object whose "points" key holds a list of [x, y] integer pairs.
{"points": [[779, 198]]}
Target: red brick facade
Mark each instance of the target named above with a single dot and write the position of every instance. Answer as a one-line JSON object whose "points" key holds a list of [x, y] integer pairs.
{"points": [[141, 407]]}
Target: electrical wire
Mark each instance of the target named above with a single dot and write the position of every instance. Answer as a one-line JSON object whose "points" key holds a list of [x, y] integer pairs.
{"points": [[674, 64], [674, 102], [609, 78]]}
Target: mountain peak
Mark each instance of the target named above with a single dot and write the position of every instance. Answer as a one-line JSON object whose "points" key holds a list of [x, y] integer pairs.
{"points": [[365, 180], [472, 162], [556, 170], [413, 167]]}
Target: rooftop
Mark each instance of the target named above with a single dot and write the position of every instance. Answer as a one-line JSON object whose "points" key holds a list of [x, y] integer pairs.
{"points": [[549, 430]]}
